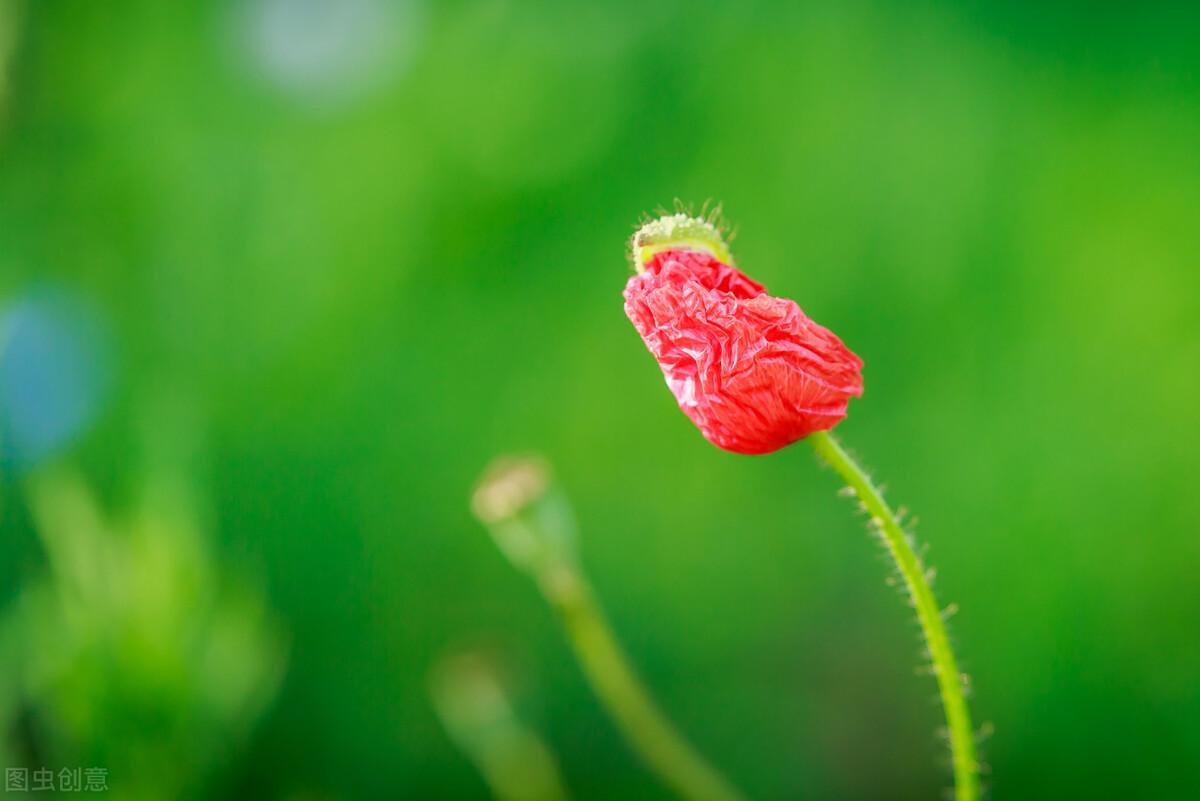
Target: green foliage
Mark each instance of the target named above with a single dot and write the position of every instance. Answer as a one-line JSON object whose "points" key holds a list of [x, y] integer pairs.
{"points": [[133, 653]]}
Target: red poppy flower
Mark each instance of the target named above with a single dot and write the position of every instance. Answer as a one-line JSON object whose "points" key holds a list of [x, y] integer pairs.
{"points": [[751, 370]]}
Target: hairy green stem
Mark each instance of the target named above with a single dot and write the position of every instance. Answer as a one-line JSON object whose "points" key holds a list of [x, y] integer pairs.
{"points": [[647, 729], [944, 665]]}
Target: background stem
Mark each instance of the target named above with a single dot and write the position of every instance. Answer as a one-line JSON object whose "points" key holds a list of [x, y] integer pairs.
{"points": [[646, 728], [945, 667]]}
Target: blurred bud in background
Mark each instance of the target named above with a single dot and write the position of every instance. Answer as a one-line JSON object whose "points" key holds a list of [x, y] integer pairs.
{"points": [[474, 706], [134, 651], [56, 367], [527, 514], [530, 519]]}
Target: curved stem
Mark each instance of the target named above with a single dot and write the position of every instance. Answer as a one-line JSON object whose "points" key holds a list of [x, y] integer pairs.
{"points": [[945, 667], [647, 729]]}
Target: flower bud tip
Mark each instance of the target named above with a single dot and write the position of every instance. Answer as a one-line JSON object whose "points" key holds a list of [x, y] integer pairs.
{"points": [[508, 486], [679, 232], [526, 513]]}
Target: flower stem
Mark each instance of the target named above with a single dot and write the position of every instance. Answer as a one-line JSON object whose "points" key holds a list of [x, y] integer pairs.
{"points": [[945, 667], [646, 728]]}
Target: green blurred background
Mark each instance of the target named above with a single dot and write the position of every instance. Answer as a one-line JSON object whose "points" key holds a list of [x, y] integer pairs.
{"points": [[291, 272]]}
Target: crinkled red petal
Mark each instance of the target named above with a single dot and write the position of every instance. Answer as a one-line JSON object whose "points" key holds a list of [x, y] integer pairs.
{"points": [[751, 371]]}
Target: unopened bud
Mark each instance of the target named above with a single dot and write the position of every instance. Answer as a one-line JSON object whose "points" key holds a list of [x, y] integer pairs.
{"points": [[526, 513], [468, 695], [474, 706]]}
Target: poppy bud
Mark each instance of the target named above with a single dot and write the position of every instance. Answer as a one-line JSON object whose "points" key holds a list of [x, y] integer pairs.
{"points": [[750, 370], [473, 702], [526, 512]]}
